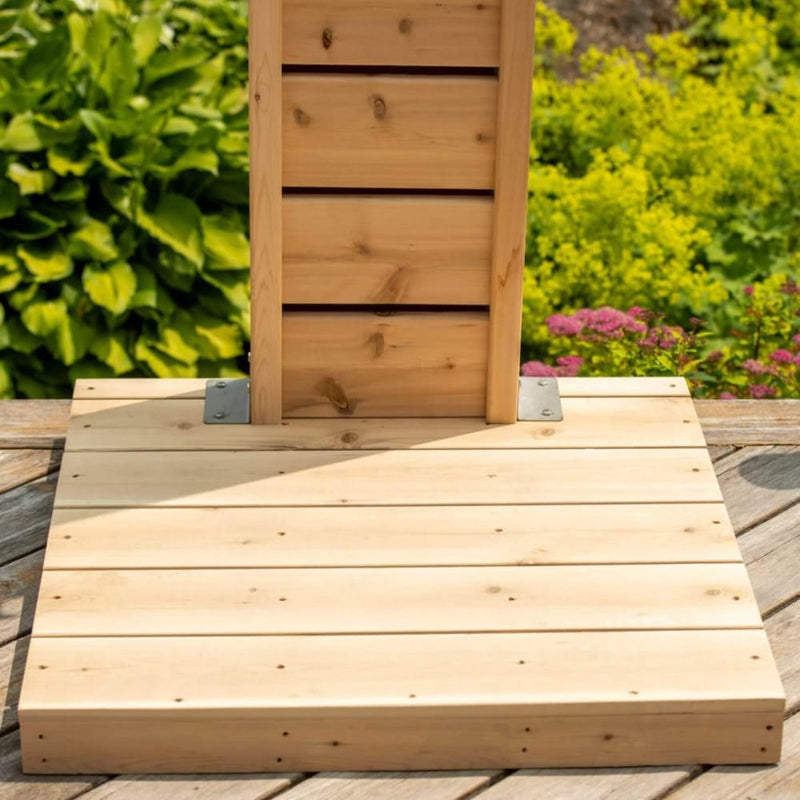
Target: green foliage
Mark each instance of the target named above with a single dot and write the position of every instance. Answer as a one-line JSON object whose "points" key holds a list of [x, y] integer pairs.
{"points": [[670, 181], [123, 190]]}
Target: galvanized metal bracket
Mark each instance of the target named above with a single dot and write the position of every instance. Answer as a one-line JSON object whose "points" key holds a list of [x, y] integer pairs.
{"points": [[539, 400], [227, 402]]}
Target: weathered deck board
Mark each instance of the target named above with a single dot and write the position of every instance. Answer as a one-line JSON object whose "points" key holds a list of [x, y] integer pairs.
{"points": [[750, 422], [22, 466], [12, 663], [34, 424], [25, 517], [20, 583]]}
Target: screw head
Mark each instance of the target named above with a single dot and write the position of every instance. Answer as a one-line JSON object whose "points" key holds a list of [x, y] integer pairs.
{"points": [[219, 415], [546, 412], [221, 384]]}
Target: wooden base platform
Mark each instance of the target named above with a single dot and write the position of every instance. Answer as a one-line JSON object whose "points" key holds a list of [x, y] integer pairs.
{"points": [[393, 594]]}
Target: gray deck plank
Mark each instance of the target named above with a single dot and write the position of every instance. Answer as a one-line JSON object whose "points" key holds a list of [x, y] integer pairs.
{"points": [[34, 423], [19, 586], [12, 665], [758, 482], [750, 422], [18, 467], [25, 517], [783, 631]]}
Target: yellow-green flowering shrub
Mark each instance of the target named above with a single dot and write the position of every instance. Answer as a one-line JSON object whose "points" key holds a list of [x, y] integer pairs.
{"points": [[671, 181]]}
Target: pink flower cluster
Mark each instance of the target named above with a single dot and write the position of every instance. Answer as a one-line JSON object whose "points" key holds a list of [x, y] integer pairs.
{"points": [[568, 367], [605, 321]]}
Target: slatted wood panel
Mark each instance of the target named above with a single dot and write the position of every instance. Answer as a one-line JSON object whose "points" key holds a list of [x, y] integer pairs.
{"points": [[364, 364], [387, 131], [224, 609], [437, 33], [353, 250]]}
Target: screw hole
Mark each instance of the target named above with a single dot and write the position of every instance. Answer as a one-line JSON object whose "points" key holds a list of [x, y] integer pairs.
{"points": [[755, 658], [178, 699], [41, 736], [279, 760], [763, 749], [286, 733], [87, 426], [280, 666], [736, 597], [769, 727]]}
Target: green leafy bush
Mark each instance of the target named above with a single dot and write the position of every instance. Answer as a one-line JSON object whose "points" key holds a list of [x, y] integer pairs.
{"points": [[668, 182], [123, 190]]}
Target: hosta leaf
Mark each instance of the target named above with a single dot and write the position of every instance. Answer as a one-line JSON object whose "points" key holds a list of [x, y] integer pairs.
{"points": [[170, 62], [94, 240], [111, 350], [22, 135], [21, 340], [119, 76], [30, 225], [91, 369], [46, 261], [9, 198], [70, 191], [224, 339], [44, 316], [47, 58], [173, 342], [113, 286], [200, 160], [175, 222], [224, 242], [62, 162], [161, 365], [233, 285], [146, 33], [10, 272], [30, 181], [70, 340]]}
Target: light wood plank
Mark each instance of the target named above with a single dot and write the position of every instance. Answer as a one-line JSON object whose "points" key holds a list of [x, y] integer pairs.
{"points": [[479, 738], [34, 423], [758, 482], [364, 364], [579, 784], [25, 514], [195, 388], [452, 33], [386, 250], [415, 477], [18, 467], [780, 782], [546, 674], [394, 600], [20, 582], [389, 131], [750, 421], [133, 538], [510, 207], [265, 209], [588, 422]]}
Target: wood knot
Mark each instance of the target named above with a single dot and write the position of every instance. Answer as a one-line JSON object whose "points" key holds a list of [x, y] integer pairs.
{"points": [[300, 117], [378, 344], [480, 6], [405, 25], [349, 437], [363, 249], [482, 137], [378, 106], [327, 38], [335, 395]]}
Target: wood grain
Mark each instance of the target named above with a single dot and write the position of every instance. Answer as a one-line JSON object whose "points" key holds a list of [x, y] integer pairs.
{"points": [[394, 600], [510, 208], [363, 364], [20, 583], [12, 663], [415, 477], [34, 424], [265, 210], [386, 250], [750, 422], [588, 422], [388, 131], [452, 33], [25, 515], [132, 538], [18, 467]]}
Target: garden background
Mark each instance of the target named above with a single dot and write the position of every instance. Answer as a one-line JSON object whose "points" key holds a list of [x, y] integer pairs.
{"points": [[663, 218]]}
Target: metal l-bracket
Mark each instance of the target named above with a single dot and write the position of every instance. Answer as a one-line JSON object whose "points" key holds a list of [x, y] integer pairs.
{"points": [[227, 402], [539, 400]]}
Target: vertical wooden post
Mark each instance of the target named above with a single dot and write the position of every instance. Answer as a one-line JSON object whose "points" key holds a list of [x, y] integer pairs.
{"points": [[510, 207], [265, 211]]}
